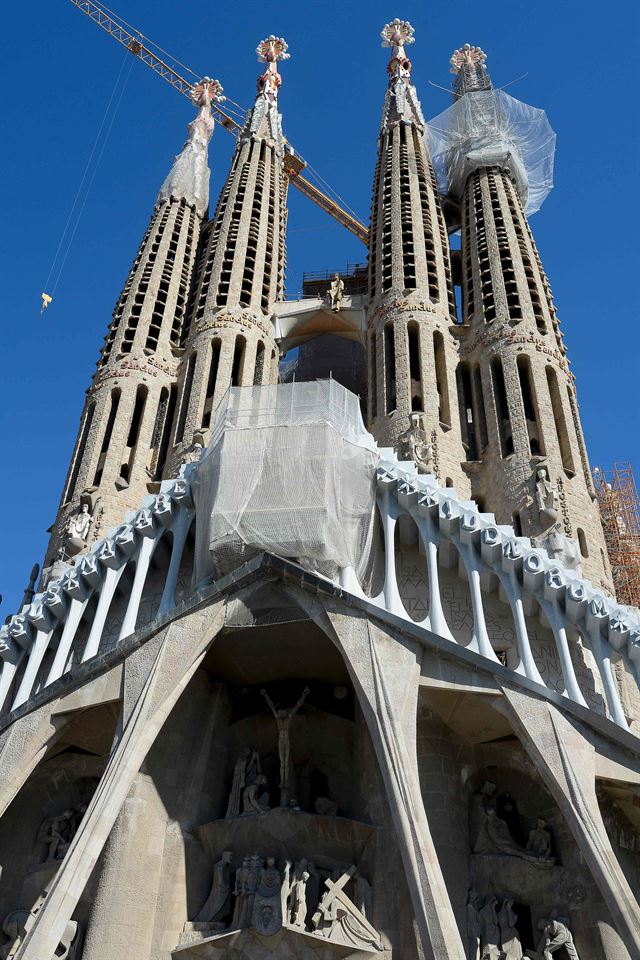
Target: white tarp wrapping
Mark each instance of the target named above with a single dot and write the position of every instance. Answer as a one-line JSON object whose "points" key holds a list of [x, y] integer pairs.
{"points": [[490, 128], [290, 469]]}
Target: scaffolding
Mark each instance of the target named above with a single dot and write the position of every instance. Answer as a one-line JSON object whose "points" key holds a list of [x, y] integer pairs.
{"points": [[620, 510]]}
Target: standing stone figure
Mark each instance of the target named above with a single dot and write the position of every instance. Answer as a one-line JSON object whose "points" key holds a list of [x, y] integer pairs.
{"points": [[539, 842], [79, 524], [556, 936], [299, 900], [546, 497], [336, 292], [240, 893], [489, 930], [473, 926], [266, 916], [283, 720], [509, 938], [218, 904], [246, 770]]}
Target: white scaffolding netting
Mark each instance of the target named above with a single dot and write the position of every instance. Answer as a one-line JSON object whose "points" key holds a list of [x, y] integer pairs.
{"points": [[290, 469], [491, 129]]}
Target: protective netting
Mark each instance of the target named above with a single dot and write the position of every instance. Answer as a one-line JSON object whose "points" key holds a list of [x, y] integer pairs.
{"points": [[490, 128], [290, 469]]}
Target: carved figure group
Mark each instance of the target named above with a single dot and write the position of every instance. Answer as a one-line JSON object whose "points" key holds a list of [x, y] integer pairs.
{"points": [[494, 835], [57, 832], [245, 773], [491, 929], [258, 895]]}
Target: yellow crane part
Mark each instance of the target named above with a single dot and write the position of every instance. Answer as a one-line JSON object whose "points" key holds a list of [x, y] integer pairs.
{"points": [[135, 44]]}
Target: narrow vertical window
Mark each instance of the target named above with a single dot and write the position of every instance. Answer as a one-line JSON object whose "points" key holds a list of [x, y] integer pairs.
{"points": [[373, 365], [258, 371], [106, 440], [413, 336], [502, 407], [529, 403], [73, 479], [166, 431], [479, 409], [186, 397], [582, 541], [560, 422], [211, 382], [134, 431], [442, 387], [238, 361], [390, 368], [467, 420]]}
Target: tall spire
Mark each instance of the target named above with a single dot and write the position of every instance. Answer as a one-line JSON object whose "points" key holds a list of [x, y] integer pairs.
{"points": [[241, 275], [468, 66], [124, 433], [401, 101], [411, 353], [188, 178]]}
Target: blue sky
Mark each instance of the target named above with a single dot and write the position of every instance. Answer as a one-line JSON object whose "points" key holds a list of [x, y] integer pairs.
{"points": [[59, 71]]}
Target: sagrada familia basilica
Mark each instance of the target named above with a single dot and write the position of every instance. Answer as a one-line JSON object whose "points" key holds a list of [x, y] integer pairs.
{"points": [[329, 666]]}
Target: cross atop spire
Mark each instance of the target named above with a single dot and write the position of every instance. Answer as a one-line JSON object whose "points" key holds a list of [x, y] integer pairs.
{"points": [[270, 51], [398, 34], [468, 66]]}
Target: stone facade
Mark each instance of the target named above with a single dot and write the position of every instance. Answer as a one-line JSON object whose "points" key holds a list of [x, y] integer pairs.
{"points": [[428, 752]]}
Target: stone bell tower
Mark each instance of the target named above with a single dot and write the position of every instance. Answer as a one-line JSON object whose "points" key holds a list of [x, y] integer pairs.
{"points": [[412, 354], [519, 413], [241, 272], [123, 438]]}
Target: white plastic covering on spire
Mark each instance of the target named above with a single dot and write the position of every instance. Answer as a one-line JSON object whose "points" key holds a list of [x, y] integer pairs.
{"points": [[308, 468], [490, 128], [189, 176]]}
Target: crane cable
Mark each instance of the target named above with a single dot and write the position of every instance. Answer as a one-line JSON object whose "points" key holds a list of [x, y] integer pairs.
{"points": [[47, 297]]}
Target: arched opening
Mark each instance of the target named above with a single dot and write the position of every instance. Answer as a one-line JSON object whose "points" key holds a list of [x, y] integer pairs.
{"points": [[373, 375], [415, 372], [530, 404], [582, 542], [165, 423], [411, 569], [502, 408], [389, 368], [465, 406], [186, 397], [134, 431], [237, 369], [212, 380], [560, 422], [106, 439], [444, 409], [77, 462], [258, 371], [371, 575]]}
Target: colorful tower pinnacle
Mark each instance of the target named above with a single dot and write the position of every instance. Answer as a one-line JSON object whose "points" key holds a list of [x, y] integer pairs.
{"points": [[123, 438], [519, 412], [241, 274], [412, 354]]}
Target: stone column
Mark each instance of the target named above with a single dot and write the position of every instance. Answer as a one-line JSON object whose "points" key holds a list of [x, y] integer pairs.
{"points": [[124, 910]]}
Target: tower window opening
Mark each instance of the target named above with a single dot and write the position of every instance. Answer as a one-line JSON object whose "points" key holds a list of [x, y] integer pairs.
{"points": [[442, 386], [161, 413], [167, 424], [186, 397], [479, 409], [467, 420], [77, 462], [373, 367], [211, 381], [106, 440], [258, 371], [529, 402], [516, 523], [413, 335], [136, 419], [560, 422], [573, 406], [582, 542], [390, 368], [238, 361], [502, 407]]}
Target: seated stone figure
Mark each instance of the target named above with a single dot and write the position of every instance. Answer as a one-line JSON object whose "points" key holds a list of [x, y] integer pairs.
{"points": [[494, 837]]}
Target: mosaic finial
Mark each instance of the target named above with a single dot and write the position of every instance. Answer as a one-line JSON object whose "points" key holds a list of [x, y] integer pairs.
{"points": [[207, 91], [467, 56]]}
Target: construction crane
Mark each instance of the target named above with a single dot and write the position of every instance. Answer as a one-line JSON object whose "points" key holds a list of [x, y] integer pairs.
{"points": [[293, 162]]}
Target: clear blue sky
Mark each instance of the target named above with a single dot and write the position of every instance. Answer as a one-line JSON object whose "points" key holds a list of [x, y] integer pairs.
{"points": [[59, 71]]}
